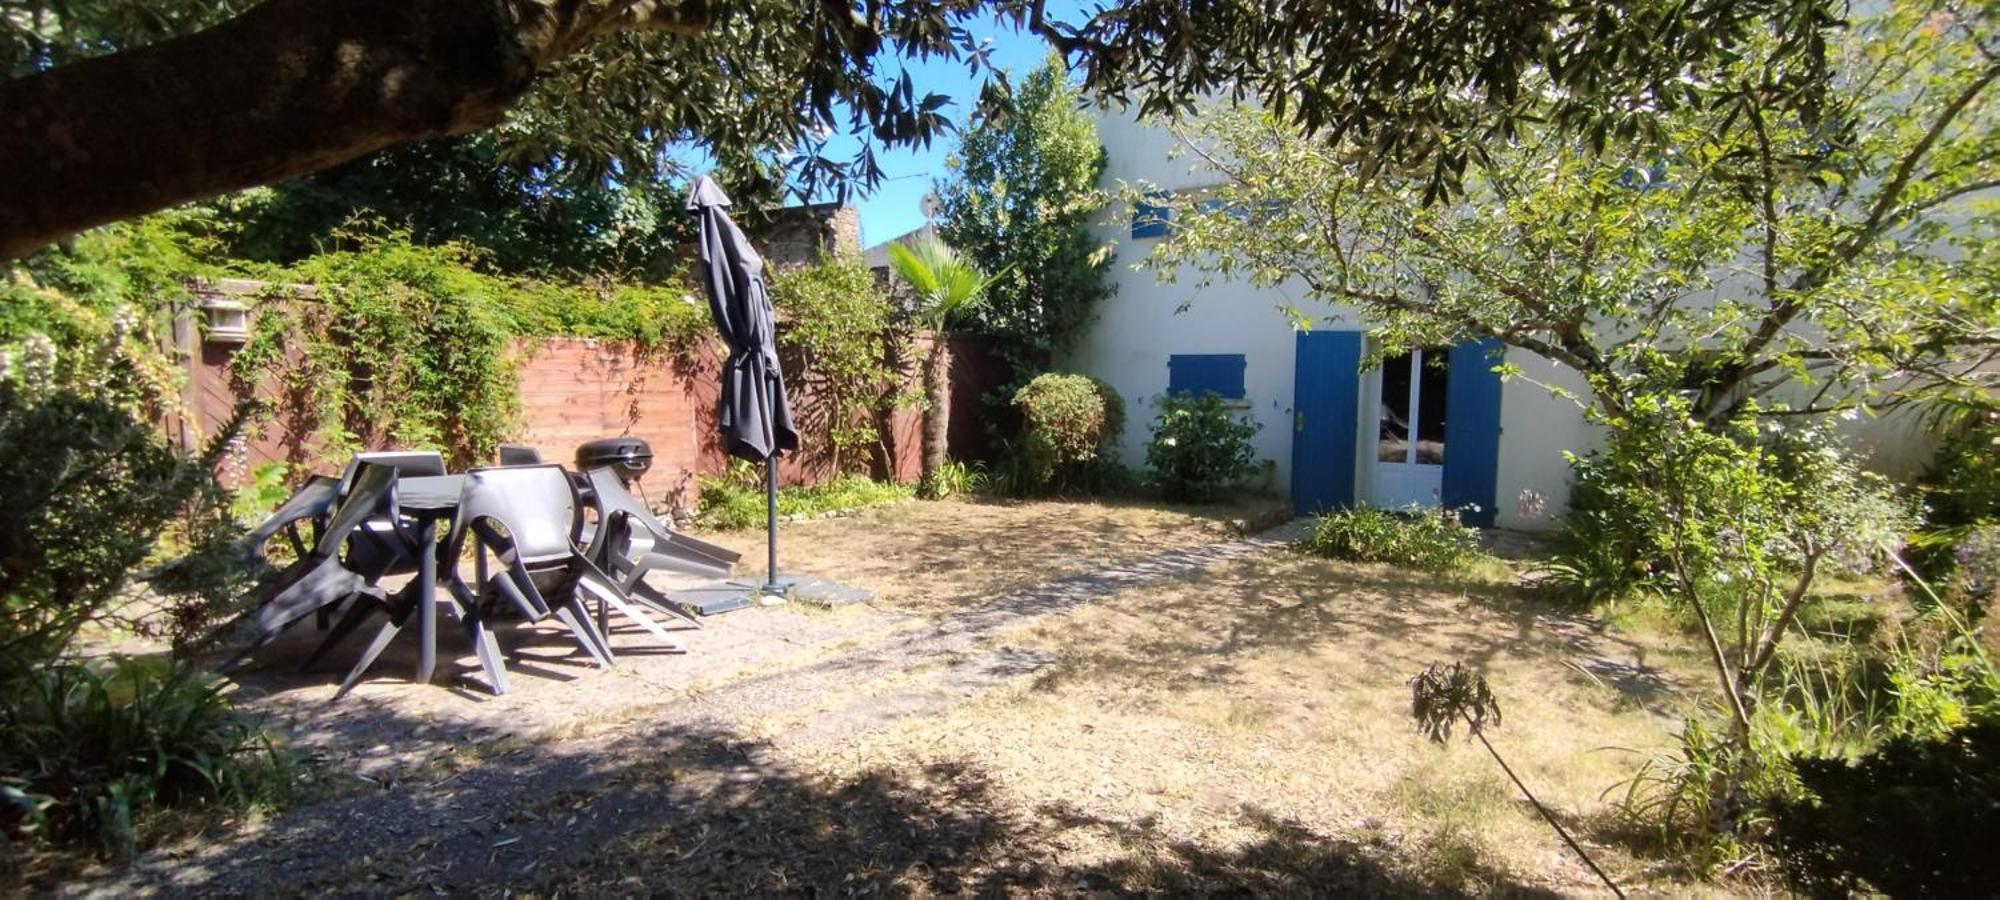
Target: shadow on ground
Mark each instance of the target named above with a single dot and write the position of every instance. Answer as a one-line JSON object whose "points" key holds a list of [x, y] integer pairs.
{"points": [[702, 811], [1396, 619], [941, 829]]}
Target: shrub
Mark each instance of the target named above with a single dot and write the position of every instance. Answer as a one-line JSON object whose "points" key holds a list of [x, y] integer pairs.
{"points": [[1705, 799], [736, 499], [1959, 545], [1962, 483], [1198, 447], [1067, 422], [1434, 541], [837, 333], [1603, 550], [90, 490], [1915, 818], [91, 746], [955, 477]]}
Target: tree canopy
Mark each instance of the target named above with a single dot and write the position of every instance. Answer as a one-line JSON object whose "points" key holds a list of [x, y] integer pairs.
{"points": [[121, 107], [1738, 250], [1018, 202], [522, 219]]}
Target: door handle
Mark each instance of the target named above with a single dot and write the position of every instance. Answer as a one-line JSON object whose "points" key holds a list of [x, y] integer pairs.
{"points": [[1299, 422]]}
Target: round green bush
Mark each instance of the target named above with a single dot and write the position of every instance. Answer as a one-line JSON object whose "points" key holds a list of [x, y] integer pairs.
{"points": [[1198, 447], [1433, 540], [1067, 420]]}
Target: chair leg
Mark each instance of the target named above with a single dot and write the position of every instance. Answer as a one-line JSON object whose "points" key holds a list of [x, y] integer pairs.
{"points": [[349, 621], [577, 617], [605, 594], [503, 586], [375, 648], [484, 645]]}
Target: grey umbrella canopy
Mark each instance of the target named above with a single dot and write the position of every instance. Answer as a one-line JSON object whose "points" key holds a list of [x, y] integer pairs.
{"points": [[756, 417]]}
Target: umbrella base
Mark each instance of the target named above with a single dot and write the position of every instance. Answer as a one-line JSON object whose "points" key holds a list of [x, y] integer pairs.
{"points": [[729, 596]]}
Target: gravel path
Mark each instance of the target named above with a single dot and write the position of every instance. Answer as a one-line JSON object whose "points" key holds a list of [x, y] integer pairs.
{"points": [[522, 809]]}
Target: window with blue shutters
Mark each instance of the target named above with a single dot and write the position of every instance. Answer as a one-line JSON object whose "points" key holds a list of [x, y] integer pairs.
{"points": [[1200, 373], [1149, 220], [1256, 214]]}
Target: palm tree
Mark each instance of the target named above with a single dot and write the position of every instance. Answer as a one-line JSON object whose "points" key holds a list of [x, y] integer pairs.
{"points": [[947, 288]]}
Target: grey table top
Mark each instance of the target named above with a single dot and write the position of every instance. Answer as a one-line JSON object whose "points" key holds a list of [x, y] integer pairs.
{"points": [[429, 493]]}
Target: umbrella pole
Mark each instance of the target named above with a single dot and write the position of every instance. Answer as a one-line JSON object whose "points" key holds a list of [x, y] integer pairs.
{"points": [[771, 523]]}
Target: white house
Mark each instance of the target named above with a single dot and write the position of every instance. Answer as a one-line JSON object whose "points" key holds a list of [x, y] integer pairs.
{"points": [[1336, 435]]}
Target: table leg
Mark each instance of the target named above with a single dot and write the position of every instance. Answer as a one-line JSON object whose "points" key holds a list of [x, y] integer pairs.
{"points": [[426, 601]]}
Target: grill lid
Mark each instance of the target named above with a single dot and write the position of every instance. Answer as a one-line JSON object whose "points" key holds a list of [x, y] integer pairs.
{"points": [[615, 450]]}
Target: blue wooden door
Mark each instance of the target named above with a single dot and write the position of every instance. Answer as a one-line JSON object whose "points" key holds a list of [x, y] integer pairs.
{"points": [[1326, 391], [1472, 431]]}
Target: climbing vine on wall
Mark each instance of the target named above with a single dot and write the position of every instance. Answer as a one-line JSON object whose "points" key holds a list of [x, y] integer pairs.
{"points": [[402, 345]]}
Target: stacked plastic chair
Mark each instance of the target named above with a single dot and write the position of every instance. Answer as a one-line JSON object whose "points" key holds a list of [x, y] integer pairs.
{"points": [[321, 578], [628, 542], [528, 518]]}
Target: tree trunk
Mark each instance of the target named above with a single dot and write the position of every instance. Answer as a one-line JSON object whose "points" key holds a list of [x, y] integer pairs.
{"points": [[289, 88], [884, 411], [937, 413]]}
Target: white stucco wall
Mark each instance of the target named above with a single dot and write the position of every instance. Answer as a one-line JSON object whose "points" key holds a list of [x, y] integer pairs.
{"points": [[1140, 326], [1536, 429]]}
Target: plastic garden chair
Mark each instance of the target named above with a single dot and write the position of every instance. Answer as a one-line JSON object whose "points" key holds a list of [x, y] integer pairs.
{"points": [[309, 504], [519, 455], [320, 577], [629, 542], [529, 519], [380, 545]]}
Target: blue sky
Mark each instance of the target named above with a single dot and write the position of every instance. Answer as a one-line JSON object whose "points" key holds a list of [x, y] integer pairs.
{"points": [[896, 205]]}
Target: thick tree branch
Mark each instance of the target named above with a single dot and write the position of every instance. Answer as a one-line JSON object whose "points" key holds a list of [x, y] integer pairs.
{"points": [[1767, 648], [1878, 218], [286, 89]]}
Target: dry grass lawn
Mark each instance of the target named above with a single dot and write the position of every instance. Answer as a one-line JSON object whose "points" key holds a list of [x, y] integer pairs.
{"points": [[1245, 729], [934, 558]]}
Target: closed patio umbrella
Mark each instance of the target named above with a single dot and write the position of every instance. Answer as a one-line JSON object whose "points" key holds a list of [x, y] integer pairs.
{"points": [[756, 418]]}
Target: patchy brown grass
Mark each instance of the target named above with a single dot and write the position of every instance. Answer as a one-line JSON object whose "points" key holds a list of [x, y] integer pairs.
{"points": [[1246, 729], [1275, 690], [937, 557]]}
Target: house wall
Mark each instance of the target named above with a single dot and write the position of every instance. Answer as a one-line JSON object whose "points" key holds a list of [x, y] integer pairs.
{"points": [[1141, 325]]}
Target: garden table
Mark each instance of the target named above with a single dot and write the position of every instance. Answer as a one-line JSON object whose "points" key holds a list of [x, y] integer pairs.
{"points": [[428, 500]]}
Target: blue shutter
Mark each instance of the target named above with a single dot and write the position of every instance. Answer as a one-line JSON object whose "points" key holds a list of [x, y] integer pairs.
{"points": [[1326, 397], [1472, 430], [1150, 220], [1200, 373]]}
